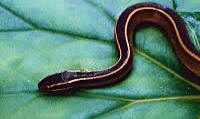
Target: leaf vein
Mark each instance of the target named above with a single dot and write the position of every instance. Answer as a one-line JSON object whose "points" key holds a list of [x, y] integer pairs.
{"points": [[190, 98], [18, 15], [169, 70]]}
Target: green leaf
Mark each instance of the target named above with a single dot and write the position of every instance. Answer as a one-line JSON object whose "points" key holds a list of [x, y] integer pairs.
{"points": [[41, 37]]}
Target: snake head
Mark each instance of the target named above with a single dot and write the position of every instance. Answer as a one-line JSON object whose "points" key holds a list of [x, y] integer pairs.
{"points": [[60, 83]]}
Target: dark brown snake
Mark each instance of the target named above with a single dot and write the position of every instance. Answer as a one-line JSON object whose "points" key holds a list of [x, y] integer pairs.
{"points": [[131, 19]]}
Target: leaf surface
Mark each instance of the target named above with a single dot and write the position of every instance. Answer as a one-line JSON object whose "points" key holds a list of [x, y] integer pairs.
{"points": [[41, 37]]}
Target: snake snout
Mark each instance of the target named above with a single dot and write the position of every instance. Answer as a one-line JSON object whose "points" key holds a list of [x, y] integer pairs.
{"points": [[48, 82], [59, 82]]}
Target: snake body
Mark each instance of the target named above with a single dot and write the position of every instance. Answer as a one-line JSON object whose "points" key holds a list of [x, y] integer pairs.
{"points": [[128, 22]]}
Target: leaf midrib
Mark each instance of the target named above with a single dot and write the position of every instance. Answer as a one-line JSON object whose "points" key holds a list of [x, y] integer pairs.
{"points": [[160, 99], [129, 102], [114, 98]]}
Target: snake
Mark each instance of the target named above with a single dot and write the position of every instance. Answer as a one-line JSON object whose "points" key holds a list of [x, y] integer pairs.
{"points": [[131, 19]]}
